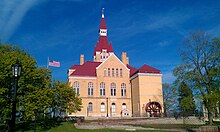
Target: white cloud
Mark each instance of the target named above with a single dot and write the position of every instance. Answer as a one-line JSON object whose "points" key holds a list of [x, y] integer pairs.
{"points": [[170, 20], [11, 15], [164, 43]]}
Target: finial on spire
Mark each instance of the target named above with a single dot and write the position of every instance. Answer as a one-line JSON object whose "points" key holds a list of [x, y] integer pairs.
{"points": [[102, 12]]}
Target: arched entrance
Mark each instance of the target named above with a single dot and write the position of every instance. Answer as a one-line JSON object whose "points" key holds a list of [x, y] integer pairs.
{"points": [[153, 109]]}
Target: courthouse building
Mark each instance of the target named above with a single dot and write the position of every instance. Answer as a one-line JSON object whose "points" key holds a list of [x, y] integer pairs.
{"points": [[111, 87]]}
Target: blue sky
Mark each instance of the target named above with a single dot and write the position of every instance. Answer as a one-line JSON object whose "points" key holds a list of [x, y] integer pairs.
{"points": [[150, 31]]}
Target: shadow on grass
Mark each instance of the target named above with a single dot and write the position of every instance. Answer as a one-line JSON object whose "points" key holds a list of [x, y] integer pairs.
{"points": [[41, 125]]}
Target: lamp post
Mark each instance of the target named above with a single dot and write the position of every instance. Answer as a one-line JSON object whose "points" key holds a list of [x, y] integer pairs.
{"points": [[16, 72], [35, 118]]}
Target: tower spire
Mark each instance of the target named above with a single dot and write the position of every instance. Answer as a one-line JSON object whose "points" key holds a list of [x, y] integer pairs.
{"points": [[102, 49], [103, 12]]}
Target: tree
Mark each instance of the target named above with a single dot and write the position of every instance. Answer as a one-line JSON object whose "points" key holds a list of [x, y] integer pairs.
{"points": [[200, 68], [65, 99], [35, 91], [186, 102], [32, 80], [169, 99]]}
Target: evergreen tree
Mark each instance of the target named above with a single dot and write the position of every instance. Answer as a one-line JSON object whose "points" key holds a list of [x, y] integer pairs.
{"points": [[186, 102]]}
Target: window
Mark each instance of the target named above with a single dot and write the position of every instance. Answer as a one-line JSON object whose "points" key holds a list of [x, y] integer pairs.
{"points": [[104, 72], [123, 89], [109, 72], [76, 87], [102, 89], [90, 89], [113, 108], [116, 72], [102, 107], [90, 107], [123, 106], [113, 89], [120, 72], [113, 72]]}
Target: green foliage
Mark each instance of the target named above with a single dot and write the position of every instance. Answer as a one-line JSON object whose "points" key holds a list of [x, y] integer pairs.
{"points": [[35, 92], [64, 98], [201, 68], [187, 104]]}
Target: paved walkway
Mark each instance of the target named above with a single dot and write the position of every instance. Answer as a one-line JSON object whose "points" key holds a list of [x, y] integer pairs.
{"points": [[122, 124]]}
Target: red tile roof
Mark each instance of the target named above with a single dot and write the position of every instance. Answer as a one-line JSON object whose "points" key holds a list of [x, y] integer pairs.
{"points": [[132, 69], [75, 66], [103, 24], [87, 69], [144, 69], [110, 49], [148, 69]]}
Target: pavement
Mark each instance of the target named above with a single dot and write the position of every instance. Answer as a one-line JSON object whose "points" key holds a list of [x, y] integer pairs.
{"points": [[122, 123]]}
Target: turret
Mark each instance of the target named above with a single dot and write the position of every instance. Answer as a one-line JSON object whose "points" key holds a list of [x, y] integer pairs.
{"points": [[102, 50]]}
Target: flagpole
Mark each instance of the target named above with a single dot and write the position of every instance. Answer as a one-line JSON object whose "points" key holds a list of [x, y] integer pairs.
{"points": [[47, 61]]}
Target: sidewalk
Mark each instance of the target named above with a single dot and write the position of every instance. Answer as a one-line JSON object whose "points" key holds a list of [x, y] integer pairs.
{"points": [[122, 123]]}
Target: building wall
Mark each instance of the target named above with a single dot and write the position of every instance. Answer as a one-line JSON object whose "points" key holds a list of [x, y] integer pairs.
{"points": [[97, 99], [135, 96], [146, 88]]}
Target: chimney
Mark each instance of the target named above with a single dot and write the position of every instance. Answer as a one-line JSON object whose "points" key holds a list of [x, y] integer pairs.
{"points": [[124, 58], [127, 60], [81, 59]]}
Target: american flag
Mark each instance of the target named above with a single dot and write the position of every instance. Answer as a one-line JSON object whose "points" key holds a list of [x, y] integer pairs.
{"points": [[54, 63]]}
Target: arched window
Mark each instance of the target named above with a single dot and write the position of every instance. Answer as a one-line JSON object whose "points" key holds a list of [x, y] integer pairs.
{"points": [[123, 89], [90, 107], [76, 87], [113, 72], [90, 89], [123, 106], [102, 89], [113, 89], [120, 72], [113, 108], [102, 107]]}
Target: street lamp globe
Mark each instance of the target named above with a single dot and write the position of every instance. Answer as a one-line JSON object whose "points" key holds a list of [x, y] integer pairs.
{"points": [[16, 69]]}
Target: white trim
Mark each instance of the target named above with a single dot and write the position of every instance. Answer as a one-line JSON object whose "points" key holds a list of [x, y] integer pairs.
{"points": [[150, 94], [134, 76], [116, 58], [82, 77], [145, 74], [149, 74]]}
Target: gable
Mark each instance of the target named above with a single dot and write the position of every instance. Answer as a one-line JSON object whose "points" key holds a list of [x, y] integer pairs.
{"points": [[112, 60], [113, 65]]}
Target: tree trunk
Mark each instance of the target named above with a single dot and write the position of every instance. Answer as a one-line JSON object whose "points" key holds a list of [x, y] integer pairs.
{"points": [[210, 117], [165, 110]]}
